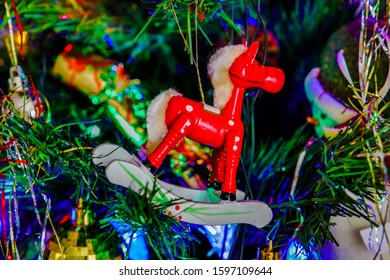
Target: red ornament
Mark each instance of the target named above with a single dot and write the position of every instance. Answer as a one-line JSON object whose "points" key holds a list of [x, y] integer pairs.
{"points": [[222, 130]]}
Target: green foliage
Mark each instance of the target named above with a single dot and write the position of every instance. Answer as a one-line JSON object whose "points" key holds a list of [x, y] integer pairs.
{"points": [[336, 177], [110, 28], [307, 180], [46, 151], [302, 24], [134, 213]]}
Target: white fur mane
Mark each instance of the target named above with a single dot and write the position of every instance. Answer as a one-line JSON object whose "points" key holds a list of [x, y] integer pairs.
{"points": [[218, 70]]}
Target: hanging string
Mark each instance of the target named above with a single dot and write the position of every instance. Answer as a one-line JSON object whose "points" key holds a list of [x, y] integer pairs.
{"points": [[188, 47]]}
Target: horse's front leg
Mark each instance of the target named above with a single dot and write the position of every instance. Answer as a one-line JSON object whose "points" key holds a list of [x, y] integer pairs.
{"points": [[217, 174], [233, 146], [179, 128]]}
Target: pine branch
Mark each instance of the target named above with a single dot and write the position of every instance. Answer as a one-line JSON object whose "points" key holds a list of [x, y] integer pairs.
{"points": [[131, 212]]}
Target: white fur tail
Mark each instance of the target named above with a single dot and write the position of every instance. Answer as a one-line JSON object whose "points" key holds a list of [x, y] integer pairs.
{"points": [[155, 118]]}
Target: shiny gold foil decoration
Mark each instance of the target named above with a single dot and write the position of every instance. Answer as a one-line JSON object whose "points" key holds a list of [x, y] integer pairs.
{"points": [[13, 43], [82, 241], [270, 253], [22, 39]]}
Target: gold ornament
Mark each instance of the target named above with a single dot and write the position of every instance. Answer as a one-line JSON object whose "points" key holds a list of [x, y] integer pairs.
{"points": [[83, 241], [269, 253]]}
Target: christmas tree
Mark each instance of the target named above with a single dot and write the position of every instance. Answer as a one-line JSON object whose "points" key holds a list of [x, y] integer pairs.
{"points": [[83, 73]]}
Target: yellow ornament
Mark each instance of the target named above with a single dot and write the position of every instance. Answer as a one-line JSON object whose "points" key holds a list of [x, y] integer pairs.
{"points": [[269, 253], [83, 241]]}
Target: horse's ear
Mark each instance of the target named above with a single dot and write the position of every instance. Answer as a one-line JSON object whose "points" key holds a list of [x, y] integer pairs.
{"points": [[252, 50]]}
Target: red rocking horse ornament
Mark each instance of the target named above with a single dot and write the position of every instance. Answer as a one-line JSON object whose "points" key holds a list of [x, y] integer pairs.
{"points": [[170, 116]]}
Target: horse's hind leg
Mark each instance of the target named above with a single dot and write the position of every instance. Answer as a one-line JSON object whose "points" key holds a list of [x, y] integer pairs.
{"points": [[176, 131]]}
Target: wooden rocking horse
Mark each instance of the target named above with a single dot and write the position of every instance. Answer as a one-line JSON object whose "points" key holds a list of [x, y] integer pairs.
{"points": [[170, 116]]}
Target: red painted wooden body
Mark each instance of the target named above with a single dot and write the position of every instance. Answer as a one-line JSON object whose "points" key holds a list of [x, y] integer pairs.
{"points": [[224, 130]]}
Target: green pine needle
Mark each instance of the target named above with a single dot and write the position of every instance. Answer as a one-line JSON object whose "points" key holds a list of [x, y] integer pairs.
{"points": [[165, 235]]}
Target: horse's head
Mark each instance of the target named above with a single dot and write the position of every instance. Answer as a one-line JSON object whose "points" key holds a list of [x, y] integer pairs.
{"points": [[246, 72]]}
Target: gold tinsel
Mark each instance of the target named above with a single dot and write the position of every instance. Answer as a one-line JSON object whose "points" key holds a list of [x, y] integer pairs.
{"points": [[83, 241], [269, 253]]}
